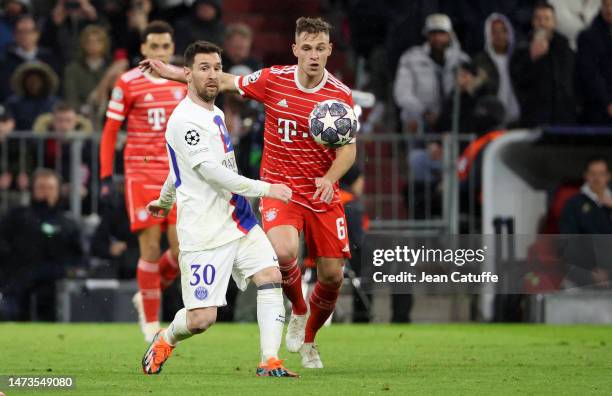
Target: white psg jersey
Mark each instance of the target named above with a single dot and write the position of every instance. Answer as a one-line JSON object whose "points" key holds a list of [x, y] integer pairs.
{"points": [[208, 216]]}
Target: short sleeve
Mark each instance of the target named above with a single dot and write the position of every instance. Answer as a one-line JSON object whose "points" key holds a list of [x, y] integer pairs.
{"points": [[193, 142], [253, 85], [120, 101]]}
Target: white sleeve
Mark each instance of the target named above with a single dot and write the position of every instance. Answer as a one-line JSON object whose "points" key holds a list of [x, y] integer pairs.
{"points": [[219, 176], [167, 195]]}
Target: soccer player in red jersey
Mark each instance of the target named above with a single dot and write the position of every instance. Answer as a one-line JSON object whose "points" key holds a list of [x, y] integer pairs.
{"points": [[292, 157], [146, 100]]}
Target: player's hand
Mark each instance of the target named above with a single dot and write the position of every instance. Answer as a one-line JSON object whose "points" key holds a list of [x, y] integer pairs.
{"points": [[280, 192], [164, 70], [325, 189], [156, 209], [106, 190]]}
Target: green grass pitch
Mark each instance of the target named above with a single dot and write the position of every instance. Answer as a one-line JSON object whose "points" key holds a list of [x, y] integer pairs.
{"points": [[359, 359]]}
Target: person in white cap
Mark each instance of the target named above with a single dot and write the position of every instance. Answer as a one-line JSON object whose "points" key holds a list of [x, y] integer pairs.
{"points": [[426, 74]]}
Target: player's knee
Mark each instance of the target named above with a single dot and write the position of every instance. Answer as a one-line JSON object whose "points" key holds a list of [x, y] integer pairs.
{"points": [[284, 252], [330, 274], [198, 322], [150, 251], [268, 275]]}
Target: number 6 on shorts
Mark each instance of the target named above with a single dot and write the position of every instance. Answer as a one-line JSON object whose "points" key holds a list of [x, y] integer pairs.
{"points": [[341, 228]]}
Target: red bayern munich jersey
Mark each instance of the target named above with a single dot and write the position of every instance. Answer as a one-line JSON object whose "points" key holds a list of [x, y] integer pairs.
{"points": [[290, 155], [147, 103]]}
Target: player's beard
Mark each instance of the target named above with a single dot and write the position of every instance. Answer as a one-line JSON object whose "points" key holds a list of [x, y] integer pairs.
{"points": [[208, 93]]}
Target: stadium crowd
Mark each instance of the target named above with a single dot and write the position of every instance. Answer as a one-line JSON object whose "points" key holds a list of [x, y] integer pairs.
{"points": [[515, 63]]}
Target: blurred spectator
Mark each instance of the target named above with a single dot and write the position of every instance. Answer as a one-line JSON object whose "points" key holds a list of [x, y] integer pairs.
{"points": [[426, 74], [425, 166], [63, 27], [61, 123], [38, 246], [573, 16], [245, 122], [113, 241], [594, 67], [138, 16], [25, 49], [494, 61], [357, 223], [589, 212], [542, 72], [471, 93], [237, 48], [83, 75], [470, 17], [35, 85], [13, 178], [11, 10], [202, 23]]}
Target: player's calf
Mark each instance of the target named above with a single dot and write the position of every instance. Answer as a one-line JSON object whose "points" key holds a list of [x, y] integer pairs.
{"points": [[201, 319]]}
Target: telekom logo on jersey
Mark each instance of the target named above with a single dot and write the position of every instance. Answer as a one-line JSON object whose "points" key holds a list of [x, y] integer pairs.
{"points": [[157, 118], [288, 128]]}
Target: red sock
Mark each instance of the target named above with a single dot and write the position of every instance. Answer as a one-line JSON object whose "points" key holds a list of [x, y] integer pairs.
{"points": [[147, 275], [292, 286], [168, 269], [322, 304]]}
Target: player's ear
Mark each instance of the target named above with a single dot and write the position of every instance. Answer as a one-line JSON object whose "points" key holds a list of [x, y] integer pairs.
{"points": [[294, 49], [329, 49], [187, 73]]}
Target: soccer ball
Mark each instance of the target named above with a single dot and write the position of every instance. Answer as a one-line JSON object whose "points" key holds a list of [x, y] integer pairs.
{"points": [[332, 123]]}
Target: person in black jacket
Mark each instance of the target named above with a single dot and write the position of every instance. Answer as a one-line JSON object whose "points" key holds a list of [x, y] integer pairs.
{"points": [[542, 72], [38, 246], [589, 213], [594, 67]]}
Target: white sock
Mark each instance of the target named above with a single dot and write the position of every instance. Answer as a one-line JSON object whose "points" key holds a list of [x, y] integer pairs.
{"points": [[177, 331], [271, 319]]}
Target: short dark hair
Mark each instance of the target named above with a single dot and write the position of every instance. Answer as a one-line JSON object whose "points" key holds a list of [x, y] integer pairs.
{"points": [[542, 5], [594, 160], [200, 47], [311, 26], [156, 27]]}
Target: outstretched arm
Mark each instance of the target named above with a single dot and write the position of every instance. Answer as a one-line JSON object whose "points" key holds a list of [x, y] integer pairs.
{"points": [[175, 73]]}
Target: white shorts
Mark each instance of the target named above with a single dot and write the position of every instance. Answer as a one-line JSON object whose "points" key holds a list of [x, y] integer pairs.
{"points": [[205, 274]]}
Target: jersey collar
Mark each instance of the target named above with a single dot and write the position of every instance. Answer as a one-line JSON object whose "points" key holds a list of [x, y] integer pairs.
{"points": [[154, 80], [310, 90]]}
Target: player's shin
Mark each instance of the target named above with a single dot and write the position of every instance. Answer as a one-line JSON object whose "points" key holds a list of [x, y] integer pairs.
{"points": [[168, 269], [292, 286], [148, 278], [178, 331], [271, 319], [322, 303]]}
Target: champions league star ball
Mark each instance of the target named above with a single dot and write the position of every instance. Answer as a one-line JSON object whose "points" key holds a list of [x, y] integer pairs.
{"points": [[332, 123]]}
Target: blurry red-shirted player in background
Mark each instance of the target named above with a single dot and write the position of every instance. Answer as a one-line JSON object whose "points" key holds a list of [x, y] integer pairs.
{"points": [[146, 101], [292, 157]]}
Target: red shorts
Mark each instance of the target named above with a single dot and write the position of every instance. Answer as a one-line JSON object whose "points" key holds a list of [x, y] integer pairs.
{"points": [[324, 232], [138, 193]]}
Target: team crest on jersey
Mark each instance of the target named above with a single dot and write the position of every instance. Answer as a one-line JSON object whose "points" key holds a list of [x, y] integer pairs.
{"points": [[200, 293], [142, 215], [270, 214], [178, 94], [192, 137], [117, 94], [251, 78]]}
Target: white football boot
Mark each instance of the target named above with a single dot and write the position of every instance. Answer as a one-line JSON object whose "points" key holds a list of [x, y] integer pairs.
{"points": [[296, 330], [310, 356], [149, 329]]}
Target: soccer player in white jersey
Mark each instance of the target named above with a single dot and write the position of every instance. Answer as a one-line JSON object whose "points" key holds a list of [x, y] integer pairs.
{"points": [[217, 231], [292, 157]]}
